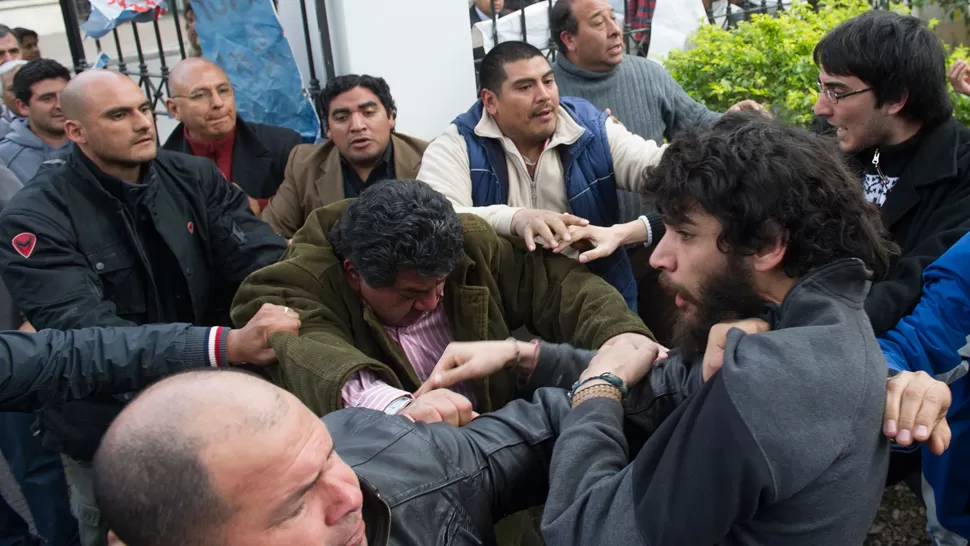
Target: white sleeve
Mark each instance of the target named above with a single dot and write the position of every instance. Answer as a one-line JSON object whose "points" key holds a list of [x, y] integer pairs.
{"points": [[444, 167], [631, 155]]}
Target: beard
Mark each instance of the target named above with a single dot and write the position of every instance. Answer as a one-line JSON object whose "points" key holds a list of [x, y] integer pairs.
{"points": [[724, 296]]}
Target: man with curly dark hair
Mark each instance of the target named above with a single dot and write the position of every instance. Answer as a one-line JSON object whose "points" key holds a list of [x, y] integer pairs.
{"points": [[385, 282]]}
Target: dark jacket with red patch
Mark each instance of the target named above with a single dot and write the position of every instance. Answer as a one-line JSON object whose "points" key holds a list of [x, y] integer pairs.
{"points": [[73, 256]]}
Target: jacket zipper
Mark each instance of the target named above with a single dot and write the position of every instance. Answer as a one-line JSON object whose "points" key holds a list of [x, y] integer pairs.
{"points": [[875, 163], [141, 255]]}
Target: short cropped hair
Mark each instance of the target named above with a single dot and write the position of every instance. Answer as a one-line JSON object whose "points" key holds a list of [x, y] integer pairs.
{"points": [[762, 180], [491, 72], [396, 225], [896, 55], [36, 71]]}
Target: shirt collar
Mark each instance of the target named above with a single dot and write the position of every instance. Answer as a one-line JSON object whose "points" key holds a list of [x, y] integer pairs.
{"points": [[210, 147], [567, 130]]}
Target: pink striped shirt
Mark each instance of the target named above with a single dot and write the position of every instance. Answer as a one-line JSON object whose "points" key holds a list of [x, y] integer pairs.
{"points": [[423, 343]]}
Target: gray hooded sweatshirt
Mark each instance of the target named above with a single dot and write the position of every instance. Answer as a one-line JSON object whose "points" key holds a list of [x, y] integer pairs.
{"points": [[23, 152]]}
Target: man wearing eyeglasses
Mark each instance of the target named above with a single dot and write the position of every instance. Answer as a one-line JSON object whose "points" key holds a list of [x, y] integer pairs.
{"points": [[882, 79], [251, 155]]}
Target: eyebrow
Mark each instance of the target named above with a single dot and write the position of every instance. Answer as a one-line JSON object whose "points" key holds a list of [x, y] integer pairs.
{"points": [[206, 88], [833, 83], [112, 111], [529, 80]]}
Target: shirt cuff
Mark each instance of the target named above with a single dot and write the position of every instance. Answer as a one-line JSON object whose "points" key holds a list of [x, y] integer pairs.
{"points": [[655, 228], [378, 397], [216, 346]]}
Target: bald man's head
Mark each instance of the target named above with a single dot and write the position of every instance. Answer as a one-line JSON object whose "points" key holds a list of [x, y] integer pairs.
{"points": [[152, 481], [111, 120], [222, 457], [202, 98]]}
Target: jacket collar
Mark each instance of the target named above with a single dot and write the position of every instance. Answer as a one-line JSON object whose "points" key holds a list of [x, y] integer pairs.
{"points": [[570, 68], [407, 159], [847, 280], [567, 130]]}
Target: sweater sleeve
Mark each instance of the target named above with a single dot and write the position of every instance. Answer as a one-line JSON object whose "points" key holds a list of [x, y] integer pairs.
{"points": [[680, 111], [631, 155], [445, 168]]}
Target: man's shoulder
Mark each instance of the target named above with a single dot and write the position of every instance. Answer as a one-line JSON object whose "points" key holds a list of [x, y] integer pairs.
{"points": [[373, 443], [272, 134], [188, 165], [476, 230]]}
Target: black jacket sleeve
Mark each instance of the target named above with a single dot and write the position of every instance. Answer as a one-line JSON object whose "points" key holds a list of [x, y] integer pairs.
{"points": [[55, 285], [701, 473], [894, 297], [241, 242], [52, 367]]}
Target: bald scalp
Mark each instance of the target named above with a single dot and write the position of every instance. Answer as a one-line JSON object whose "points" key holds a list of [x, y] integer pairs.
{"points": [[187, 71], [77, 95], [151, 482]]}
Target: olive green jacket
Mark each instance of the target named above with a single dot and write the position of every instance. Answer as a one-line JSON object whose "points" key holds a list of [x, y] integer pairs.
{"points": [[497, 287]]}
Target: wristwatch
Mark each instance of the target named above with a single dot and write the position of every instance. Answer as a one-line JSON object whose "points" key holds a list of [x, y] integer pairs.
{"points": [[398, 404]]}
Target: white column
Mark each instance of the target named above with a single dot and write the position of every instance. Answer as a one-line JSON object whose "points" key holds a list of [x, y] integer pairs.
{"points": [[423, 50]]}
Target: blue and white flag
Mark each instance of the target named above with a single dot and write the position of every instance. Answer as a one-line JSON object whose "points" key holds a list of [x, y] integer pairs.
{"points": [[106, 15]]}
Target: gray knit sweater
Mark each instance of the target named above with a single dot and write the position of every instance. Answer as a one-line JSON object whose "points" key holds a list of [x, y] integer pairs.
{"points": [[639, 92]]}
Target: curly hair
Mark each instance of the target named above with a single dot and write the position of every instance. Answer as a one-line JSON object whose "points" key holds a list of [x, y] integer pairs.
{"points": [[395, 225], [37, 71], [760, 180]]}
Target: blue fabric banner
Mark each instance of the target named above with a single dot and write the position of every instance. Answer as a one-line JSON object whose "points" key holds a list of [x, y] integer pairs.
{"points": [[244, 38]]}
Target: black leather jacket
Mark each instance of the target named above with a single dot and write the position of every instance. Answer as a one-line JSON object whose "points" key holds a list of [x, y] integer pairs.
{"points": [[428, 485], [442, 485]]}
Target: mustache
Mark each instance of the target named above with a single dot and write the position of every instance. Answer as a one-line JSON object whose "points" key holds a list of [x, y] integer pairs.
{"points": [[673, 288], [535, 111]]}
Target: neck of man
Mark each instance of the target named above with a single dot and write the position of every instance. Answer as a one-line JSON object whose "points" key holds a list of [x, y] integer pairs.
{"points": [[126, 172], [530, 149], [363, 170], [903, 130], [775, 287], [600, 68], [54, 140]]}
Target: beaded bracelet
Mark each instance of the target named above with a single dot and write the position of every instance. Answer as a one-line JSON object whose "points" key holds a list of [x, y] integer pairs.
{"points": [[608, 377], [596, 391]]}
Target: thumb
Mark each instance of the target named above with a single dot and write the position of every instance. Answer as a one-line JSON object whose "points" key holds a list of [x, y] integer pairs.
{"points": [[595, 254]]}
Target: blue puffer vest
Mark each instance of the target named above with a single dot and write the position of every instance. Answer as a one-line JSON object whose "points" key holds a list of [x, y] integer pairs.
{"points": [[589, 178]]}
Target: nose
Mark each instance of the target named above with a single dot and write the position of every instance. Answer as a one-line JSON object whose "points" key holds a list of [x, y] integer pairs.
{"points": [[613, 28], [823, 107], [356, 121], [217, 100], [662, 256], [428, 302], [143, 121], [341, 498]]}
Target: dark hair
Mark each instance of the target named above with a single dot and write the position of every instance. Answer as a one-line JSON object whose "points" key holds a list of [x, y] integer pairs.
{"points": [[153, 490], [341, 84], [760, 180], [561, 19], [21, 33], [491, 73], [35, 71], [894, 54], [4, 30], [395, 225]]}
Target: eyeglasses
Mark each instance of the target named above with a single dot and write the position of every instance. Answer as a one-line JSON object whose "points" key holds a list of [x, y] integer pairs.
{"points": [[835, 96], [205, 95]]}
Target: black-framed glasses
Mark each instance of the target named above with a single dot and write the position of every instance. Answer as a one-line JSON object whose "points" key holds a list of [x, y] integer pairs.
{"points": [[835, 96]]}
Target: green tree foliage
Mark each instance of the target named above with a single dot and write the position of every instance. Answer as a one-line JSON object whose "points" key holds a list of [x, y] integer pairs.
{"points": [[769, 59]]}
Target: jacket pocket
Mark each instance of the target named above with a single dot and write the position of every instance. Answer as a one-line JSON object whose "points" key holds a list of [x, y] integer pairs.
{"points": [[121, 281]]}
